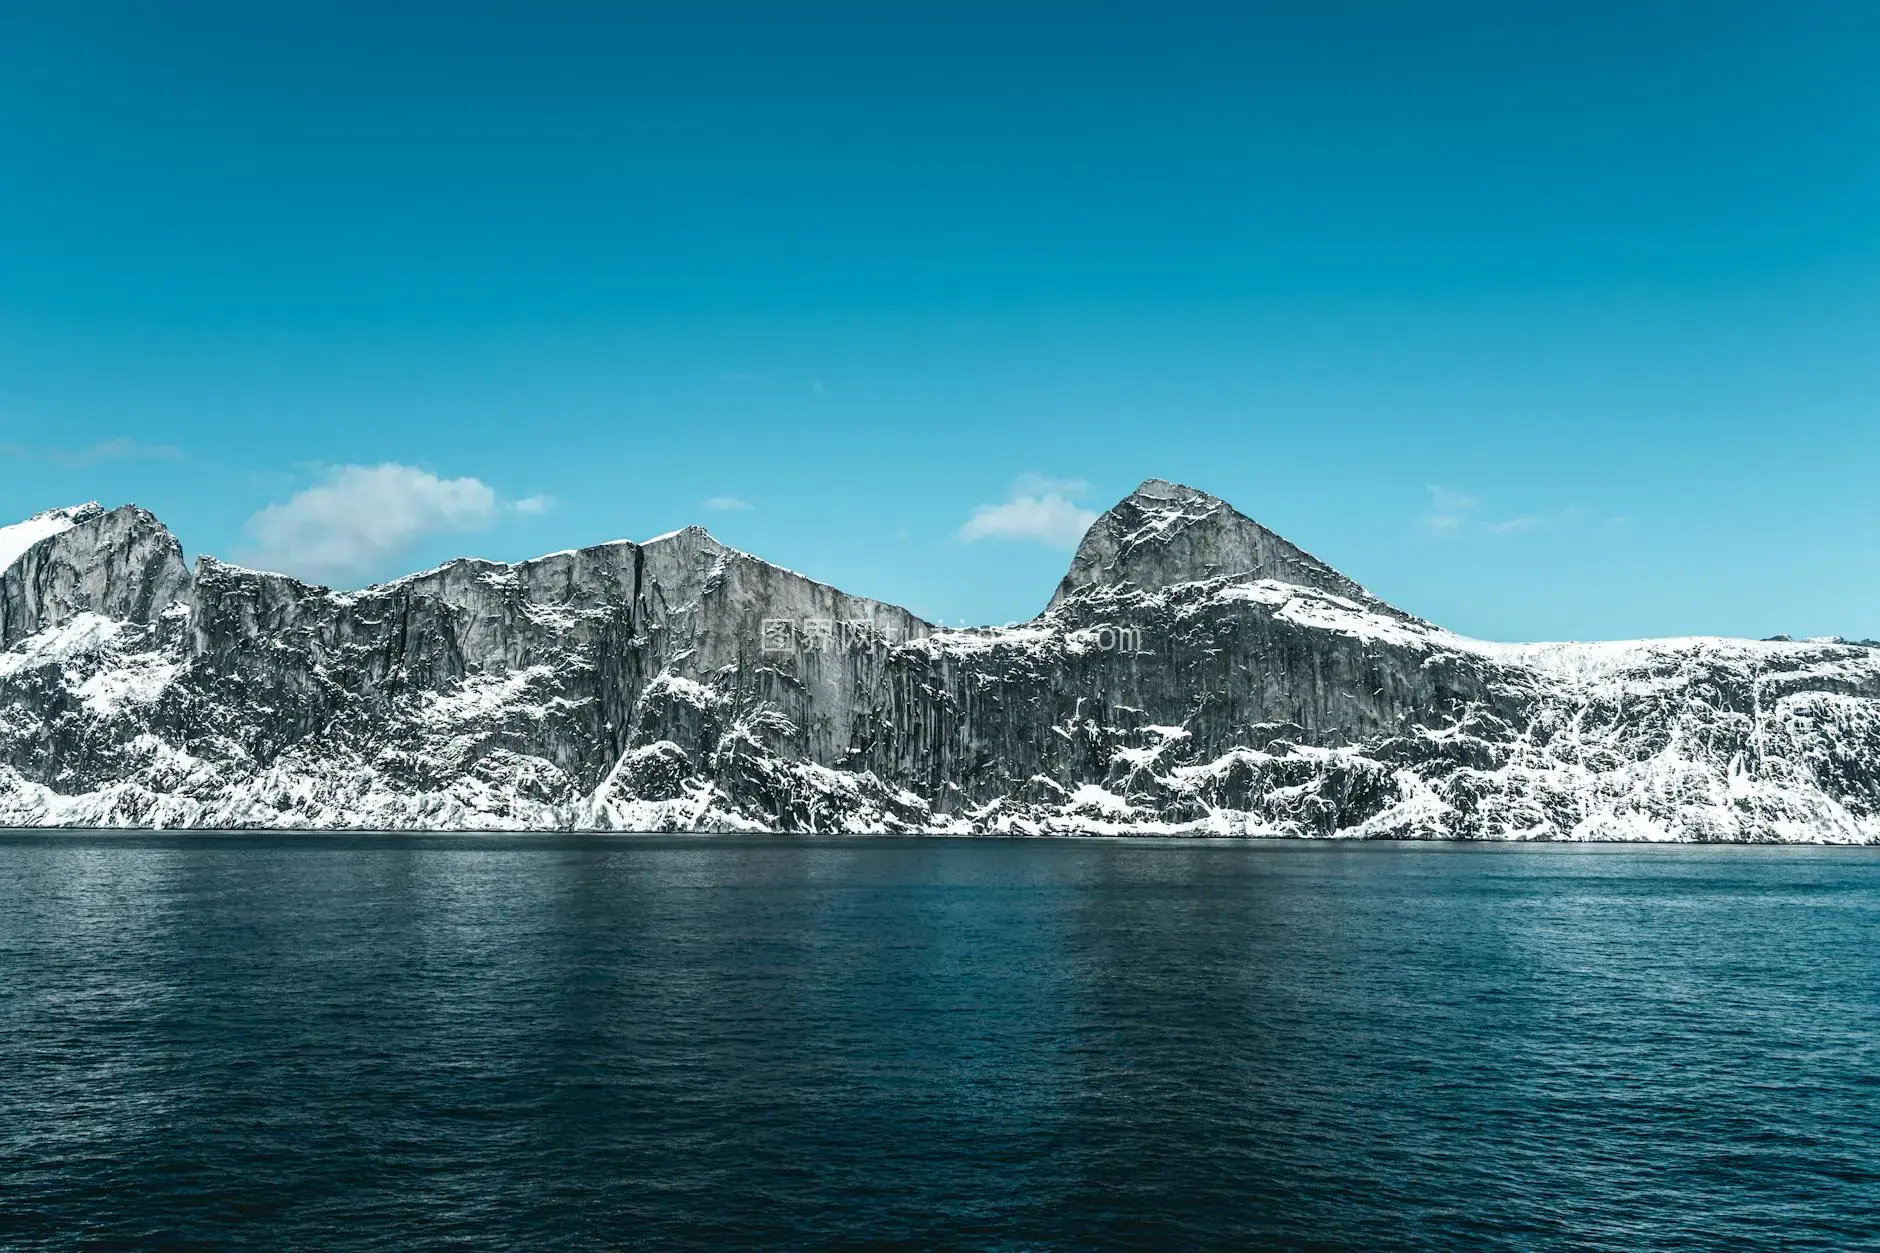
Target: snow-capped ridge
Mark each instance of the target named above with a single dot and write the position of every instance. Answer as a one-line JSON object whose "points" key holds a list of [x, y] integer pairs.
{"points": [[1196, 675], [122, 563], [692, 531], [16, 539]]}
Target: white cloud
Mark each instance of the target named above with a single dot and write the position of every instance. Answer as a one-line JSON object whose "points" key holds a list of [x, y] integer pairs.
{"points": [[531, 505], [1043, 510], [364, 516], [1513, 525], [728, 502]]}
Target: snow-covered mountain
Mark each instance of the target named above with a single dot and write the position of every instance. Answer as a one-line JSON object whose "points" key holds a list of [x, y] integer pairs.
{"points": [[1194, 674]]}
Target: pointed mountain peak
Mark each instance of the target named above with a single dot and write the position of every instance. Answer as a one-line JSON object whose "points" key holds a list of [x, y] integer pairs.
{"points": [[1166, 533], [1163, 489], [1170, 506]]}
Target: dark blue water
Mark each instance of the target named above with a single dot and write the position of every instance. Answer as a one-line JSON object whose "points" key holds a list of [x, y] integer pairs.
{"points": [[569, 1042]]}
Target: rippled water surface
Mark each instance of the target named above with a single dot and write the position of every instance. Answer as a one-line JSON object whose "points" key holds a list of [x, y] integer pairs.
{"points": [[397, 1042]]}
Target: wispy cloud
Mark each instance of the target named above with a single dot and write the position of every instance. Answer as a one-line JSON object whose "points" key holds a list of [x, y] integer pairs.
{"points": [[362, 517], [1453, 513], [1045, 485], [530, 506], [1449, 512], [121, 448], [1041, 510], [724, 503]]}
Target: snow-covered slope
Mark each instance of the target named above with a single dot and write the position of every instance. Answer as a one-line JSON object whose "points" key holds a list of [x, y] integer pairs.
{"points": [[16, 539], [1194, 674]]}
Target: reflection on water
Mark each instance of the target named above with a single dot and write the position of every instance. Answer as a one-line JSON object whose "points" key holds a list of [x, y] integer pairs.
{"points": [[563, 1041]]}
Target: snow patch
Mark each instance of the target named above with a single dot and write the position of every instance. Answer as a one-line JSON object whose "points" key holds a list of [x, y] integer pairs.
{"points": [[16, 539], [691, 691], [86, 633], [487, 695], [138, 679]]}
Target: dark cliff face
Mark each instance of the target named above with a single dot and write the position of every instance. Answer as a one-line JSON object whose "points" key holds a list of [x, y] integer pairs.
{"points": [[1194, 673]]}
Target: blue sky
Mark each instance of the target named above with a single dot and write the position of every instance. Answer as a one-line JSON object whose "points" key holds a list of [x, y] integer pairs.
{"points": [[1558, 324]]}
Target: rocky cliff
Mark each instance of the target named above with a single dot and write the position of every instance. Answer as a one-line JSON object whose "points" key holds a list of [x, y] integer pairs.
{"points": [[1194, 674]]}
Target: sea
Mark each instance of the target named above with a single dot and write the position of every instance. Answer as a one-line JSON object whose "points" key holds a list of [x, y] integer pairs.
{"points": [[569, 1042]]}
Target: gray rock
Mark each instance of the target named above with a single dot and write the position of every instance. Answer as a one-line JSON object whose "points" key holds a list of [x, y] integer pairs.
{"points": [[1165, 533], [1194, 674], [122, 564]]}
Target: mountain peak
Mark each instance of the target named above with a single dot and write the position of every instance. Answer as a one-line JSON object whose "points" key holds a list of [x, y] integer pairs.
{"points": [[693, 535], [1164, 489], [20, 536], [1165, 533], [122, 563]]}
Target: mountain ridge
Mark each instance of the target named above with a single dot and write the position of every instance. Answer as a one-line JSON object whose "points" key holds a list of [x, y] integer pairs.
{"points": [[1193, 673]]}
